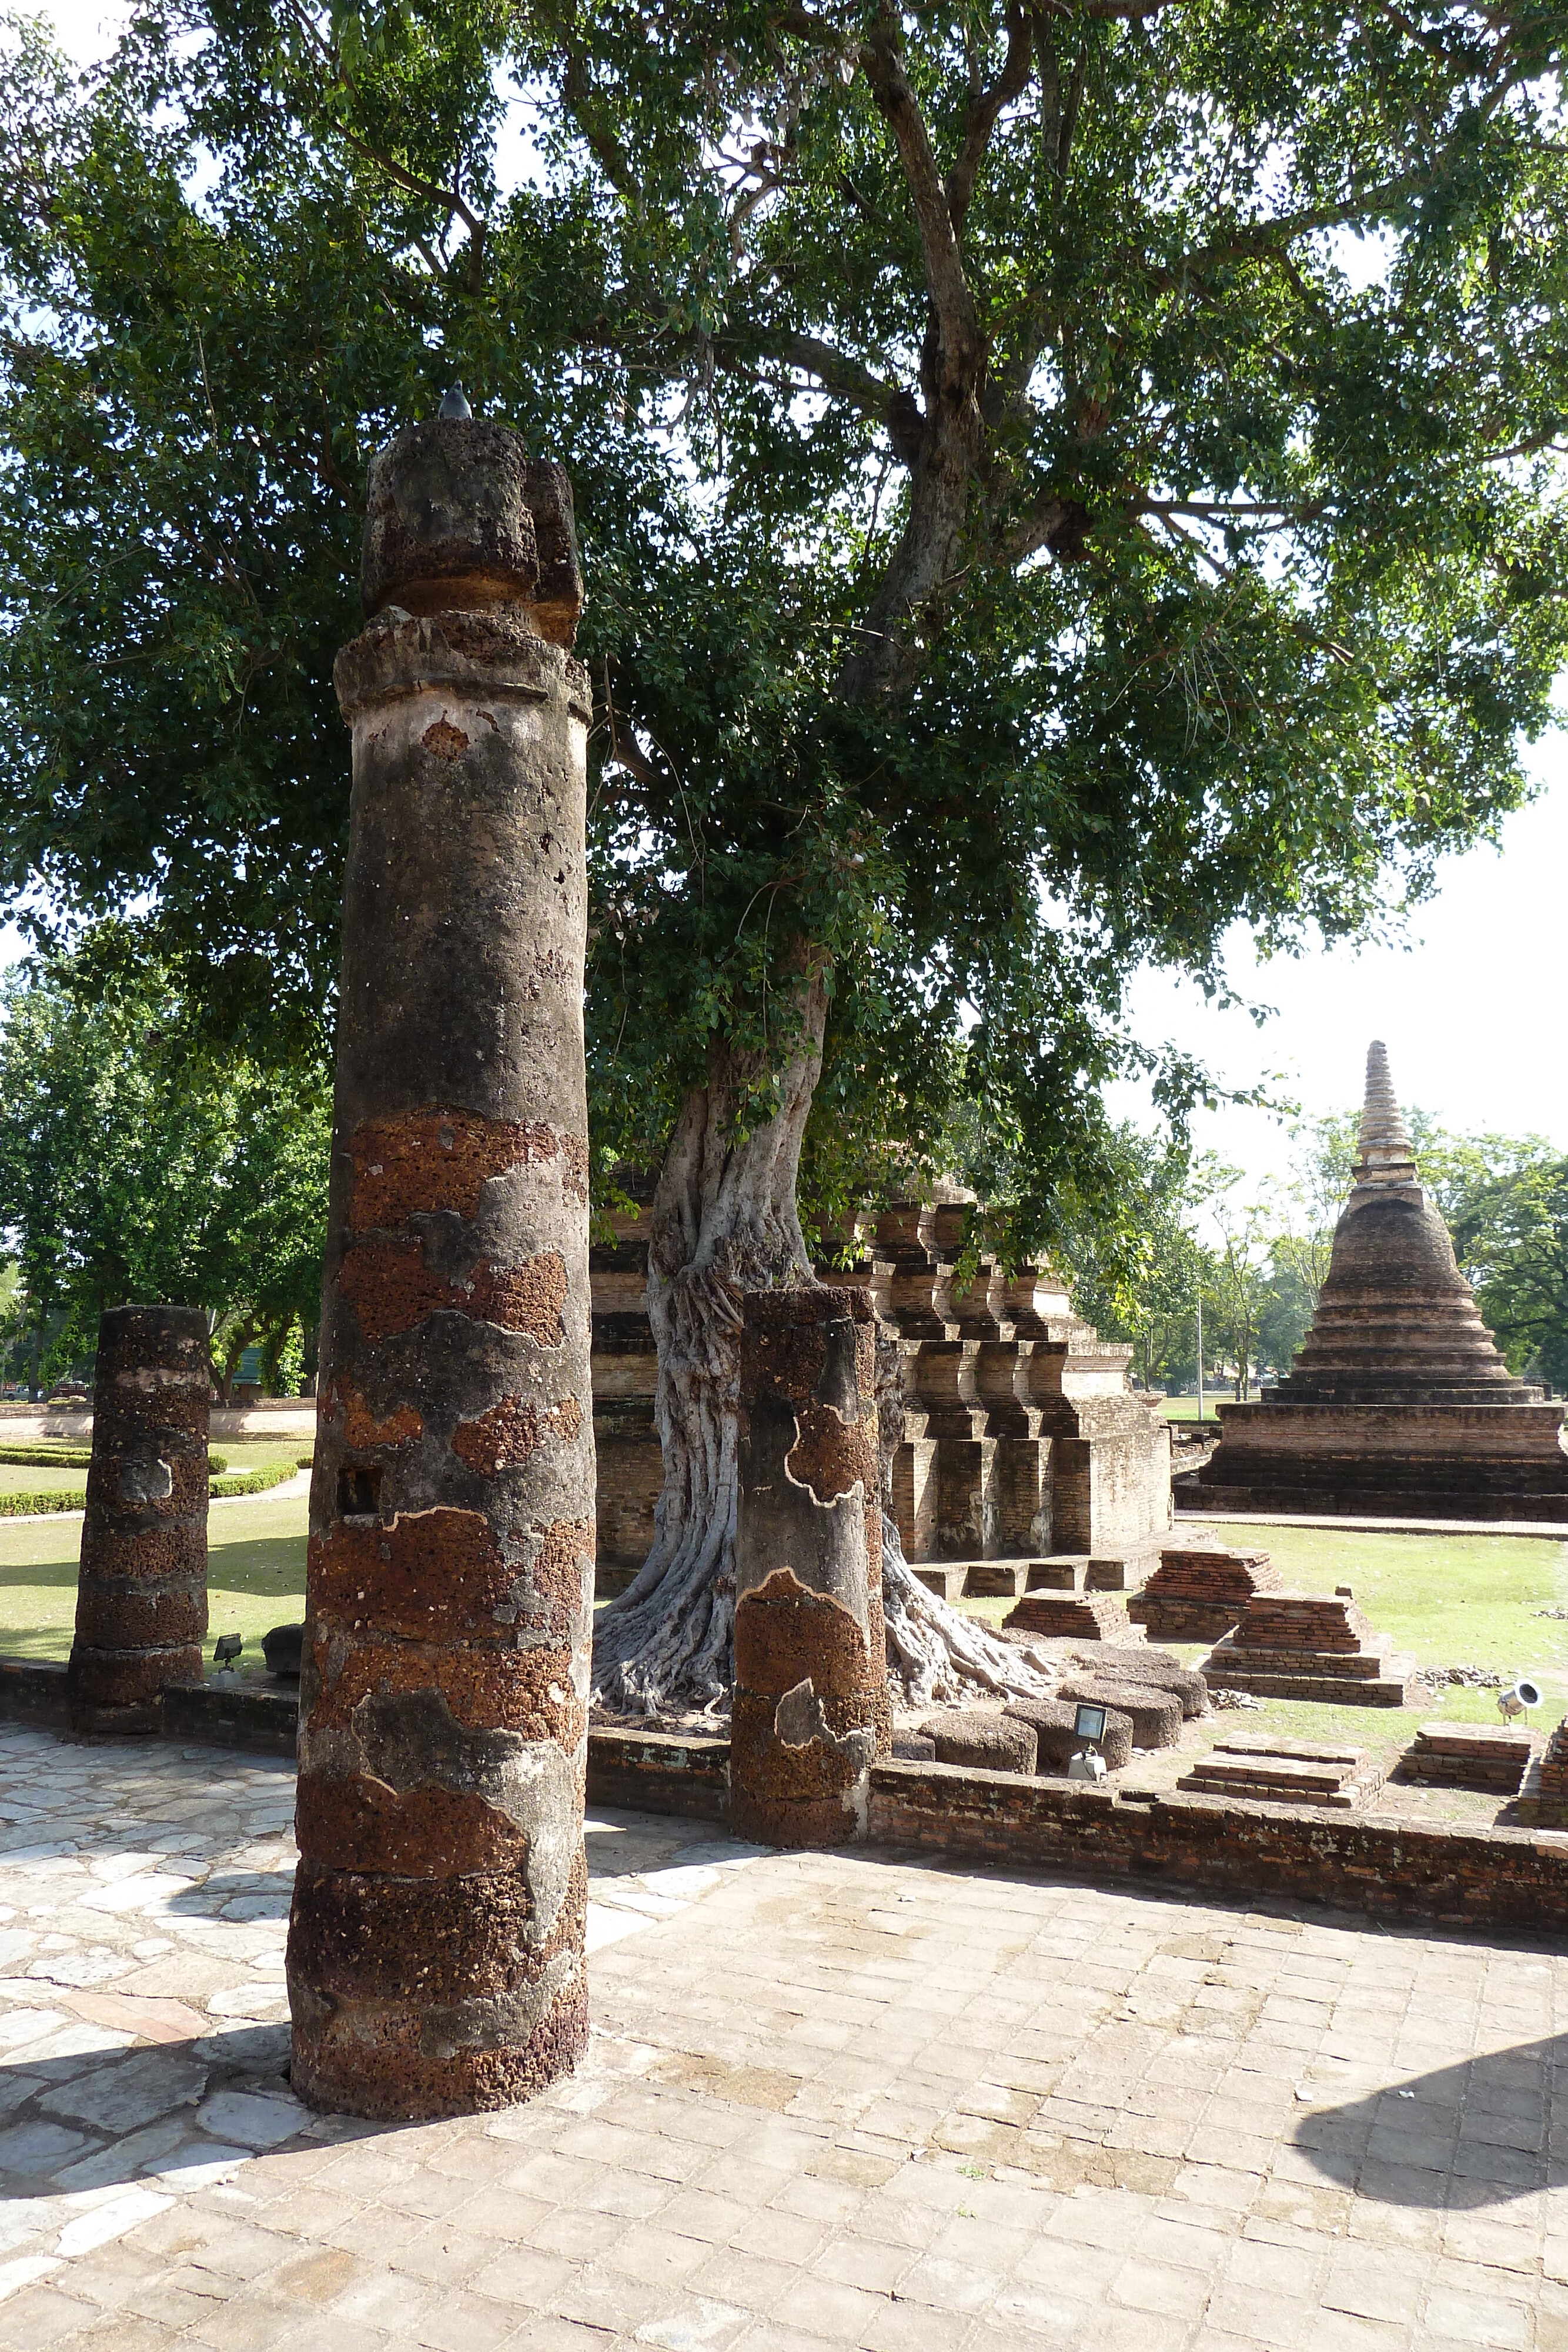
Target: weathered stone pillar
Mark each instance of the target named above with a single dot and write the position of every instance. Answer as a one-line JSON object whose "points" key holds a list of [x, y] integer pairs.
{"points": [[810, 1706], [142, 1591], [435, 1951]]}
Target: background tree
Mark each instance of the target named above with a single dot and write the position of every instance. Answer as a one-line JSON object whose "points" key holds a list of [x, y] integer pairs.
{"points": [[133, 1166], [1020, 544]]}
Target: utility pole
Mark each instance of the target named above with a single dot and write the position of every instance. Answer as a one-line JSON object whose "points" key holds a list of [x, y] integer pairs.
{"points": [[1200, 1358]]}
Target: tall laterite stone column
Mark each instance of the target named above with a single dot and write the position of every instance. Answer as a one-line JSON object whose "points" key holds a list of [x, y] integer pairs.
{"points": [[810, 1710], [141, 1589], [436, 1950]]}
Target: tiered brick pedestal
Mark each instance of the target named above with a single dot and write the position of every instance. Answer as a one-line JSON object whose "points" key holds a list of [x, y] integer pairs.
{"points": [[1286, 1772], [1197, 1594], [1469, 1756], [1305, 1646], [1072, 1617]]}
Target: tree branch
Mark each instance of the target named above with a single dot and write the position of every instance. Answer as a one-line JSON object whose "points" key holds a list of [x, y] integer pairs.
{"points": [[951, 297], [982, 118]]}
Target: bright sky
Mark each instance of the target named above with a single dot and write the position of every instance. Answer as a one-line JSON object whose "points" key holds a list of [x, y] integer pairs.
{"points": [[1470, 1007]]}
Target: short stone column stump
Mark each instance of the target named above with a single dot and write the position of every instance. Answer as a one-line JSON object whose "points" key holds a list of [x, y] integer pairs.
{"points": [[142, 1591], [810, 1709]]}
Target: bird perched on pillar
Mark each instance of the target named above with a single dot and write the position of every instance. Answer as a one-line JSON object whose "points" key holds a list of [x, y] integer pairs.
{"points": [[454, 405]]}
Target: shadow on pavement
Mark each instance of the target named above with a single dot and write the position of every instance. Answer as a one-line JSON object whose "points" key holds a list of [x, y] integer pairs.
{"points": [[178, 2114], [1470, 2135]]}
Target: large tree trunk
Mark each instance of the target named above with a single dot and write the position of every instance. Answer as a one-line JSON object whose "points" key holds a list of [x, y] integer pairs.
{"points": [[723, 1221]]}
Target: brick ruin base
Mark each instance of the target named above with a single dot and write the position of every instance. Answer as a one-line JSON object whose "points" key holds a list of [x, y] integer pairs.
{"points": [[142, 1591], [1488, 1881], [810, 1712]]}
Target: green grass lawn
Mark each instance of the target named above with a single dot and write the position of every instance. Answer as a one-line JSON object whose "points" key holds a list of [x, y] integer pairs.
{"points": [[1186, 1408], [255, 1576]]}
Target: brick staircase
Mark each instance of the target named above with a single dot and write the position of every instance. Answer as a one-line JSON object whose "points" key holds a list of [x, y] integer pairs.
{"points": [[1286, 1772]]}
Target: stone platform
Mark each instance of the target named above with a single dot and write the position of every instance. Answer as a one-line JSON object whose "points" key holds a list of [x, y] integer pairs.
{"points": [[829, 2101], [1373, 1677], [1469, 1756], [1309, 1646], [1421, 1462]]}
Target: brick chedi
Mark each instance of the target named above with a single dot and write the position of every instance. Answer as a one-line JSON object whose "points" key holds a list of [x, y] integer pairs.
{"points": [[809, 1713], [141, 1589], [1198, 1592], [436, 1945], [1398, 1404]]}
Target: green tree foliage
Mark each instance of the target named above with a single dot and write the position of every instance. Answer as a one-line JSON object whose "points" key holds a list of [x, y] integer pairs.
{"points": [[1513, 1232], [133, 1166], [1023, 535], [1137, 1274]]}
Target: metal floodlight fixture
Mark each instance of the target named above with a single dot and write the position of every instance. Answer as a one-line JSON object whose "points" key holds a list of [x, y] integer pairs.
{"points": [[225, 1650], [1088, 1724], [1525, 1694]]}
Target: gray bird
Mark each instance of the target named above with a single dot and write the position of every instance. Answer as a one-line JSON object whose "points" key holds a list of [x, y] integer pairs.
{"points": [[454, 405]]}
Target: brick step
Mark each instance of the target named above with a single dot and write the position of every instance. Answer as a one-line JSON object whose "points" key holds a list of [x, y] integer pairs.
{"points": [[1298, 1779], [1303, 1752], [1477, 1740], [1542, 1802], [1467, 1756], [1487, 1775], [1387, 1689]]}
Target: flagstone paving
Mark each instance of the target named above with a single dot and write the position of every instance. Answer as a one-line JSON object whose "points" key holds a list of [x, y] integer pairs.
{"points": [[831, 2100]]}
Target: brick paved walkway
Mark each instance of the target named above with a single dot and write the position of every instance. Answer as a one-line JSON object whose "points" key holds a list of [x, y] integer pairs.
{"points": [[830, 2101]]}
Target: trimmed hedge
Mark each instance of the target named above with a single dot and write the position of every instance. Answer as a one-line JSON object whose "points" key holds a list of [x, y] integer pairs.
{"points": [[250, 1482], [78, 1457], [305, 1461]]}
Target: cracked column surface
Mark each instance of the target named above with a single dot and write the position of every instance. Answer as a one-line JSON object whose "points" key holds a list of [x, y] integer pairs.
{"points": [[436, 1949], [810, 1706], [141, 1589]]}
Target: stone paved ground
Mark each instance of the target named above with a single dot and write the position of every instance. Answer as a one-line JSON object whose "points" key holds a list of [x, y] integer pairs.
{"points": [[830, 2101]]}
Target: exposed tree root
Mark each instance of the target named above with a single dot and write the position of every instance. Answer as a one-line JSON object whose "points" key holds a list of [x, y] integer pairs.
{"points": [[935, 1654]]}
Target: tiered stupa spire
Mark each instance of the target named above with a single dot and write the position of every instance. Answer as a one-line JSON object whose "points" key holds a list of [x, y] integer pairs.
{"points": [[1397, 1321], [1384, 1153], [1398, 1404]]}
